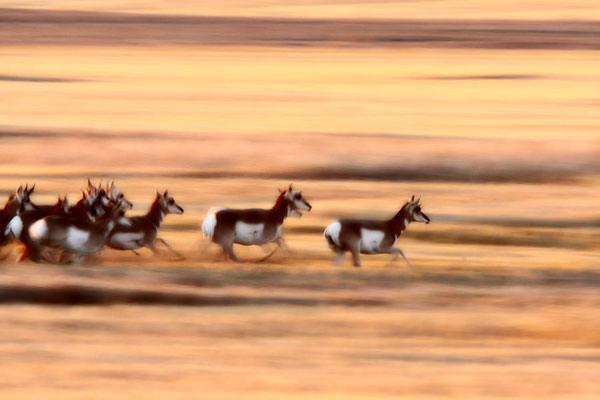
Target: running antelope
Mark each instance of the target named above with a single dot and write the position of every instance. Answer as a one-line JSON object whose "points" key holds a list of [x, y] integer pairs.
{"points": [[26, 218], [253, 226], [132, 233], [88, 209], [373, 236], [19, 225], [76, 237], [83, 209], [116, 196], [16, 203]]}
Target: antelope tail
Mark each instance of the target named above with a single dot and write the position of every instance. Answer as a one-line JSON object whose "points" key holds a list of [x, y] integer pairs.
{"points": [[210, 222], [332, 234]]}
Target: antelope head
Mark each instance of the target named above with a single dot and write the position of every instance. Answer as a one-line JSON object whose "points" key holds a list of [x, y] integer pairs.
{"points": [[168, 204], [296, 202], [415, 213], [116, 196], [62, 205], [24, 197]]}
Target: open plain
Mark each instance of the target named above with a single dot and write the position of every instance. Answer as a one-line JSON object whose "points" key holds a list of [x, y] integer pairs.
{"points": [[491, 115]]}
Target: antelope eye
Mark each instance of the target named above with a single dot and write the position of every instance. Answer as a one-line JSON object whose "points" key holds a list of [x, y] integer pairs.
{"points": [[297, 196], [171, 201]]}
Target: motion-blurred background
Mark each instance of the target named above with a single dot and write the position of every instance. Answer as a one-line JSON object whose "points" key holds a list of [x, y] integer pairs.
{"points": [[489, 110]]}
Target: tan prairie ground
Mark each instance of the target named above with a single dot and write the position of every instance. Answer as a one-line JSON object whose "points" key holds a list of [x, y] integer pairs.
{"points": [[494, 308], [489, 111]]}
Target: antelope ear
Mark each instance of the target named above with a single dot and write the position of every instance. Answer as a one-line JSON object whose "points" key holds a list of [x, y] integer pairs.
{"points": [[161, 198], [90, 185], [412, 198], [290, 188], [166, 194], [32, 189], [19, 190]]}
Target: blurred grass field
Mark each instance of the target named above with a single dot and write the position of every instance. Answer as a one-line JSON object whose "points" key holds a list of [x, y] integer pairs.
{"points": [[509, 298], [489, 111]]}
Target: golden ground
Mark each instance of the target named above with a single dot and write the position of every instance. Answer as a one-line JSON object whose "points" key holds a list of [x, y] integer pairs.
{"points": [[475, 319], [495, 125]]}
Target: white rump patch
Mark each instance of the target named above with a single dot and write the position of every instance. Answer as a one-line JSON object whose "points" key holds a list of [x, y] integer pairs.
{"points": [[370, 240], [128, 240], [333, 232], [14, 227], [77, 238], [249, 233], [210, 222], [38, 230]]}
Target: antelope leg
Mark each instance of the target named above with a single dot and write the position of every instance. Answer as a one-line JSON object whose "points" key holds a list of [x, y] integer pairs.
{"points": [[224, 254], [230, 253], [339, 257], [396, 252], [283, 244], [172, 250], [48, 255], [69, 258], [280, 245], [354, 249], [153, 248]]}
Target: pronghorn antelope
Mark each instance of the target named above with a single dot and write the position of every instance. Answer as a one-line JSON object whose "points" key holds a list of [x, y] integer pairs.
{"points": [[86, 210], [373, 236], [110, 195], [26, 218], [76, 237], [132, 233], [95, 202], [16, 203], [116, 196], [253, 226], [19, 225], [83, 209], [61, 206]]}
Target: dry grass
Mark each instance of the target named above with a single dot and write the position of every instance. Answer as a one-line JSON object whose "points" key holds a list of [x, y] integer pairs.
{"points": [[402, 335], [486, 304], [494, 126]]}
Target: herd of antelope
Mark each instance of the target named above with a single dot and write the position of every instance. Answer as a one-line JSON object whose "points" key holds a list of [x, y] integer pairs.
{"points": [[63, 233]]}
